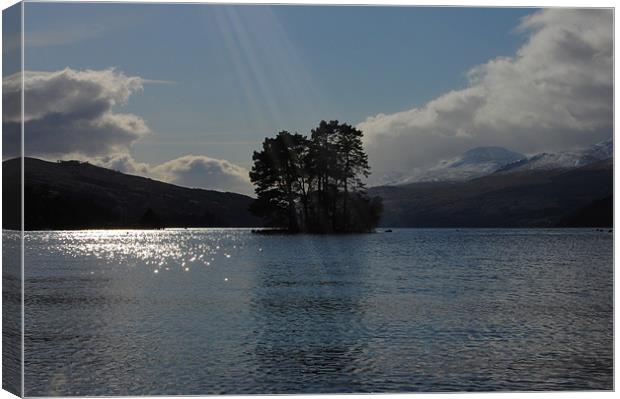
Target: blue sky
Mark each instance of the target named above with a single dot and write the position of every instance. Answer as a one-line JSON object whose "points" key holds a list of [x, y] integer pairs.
{"points": [[186, 93], [314, 63]]}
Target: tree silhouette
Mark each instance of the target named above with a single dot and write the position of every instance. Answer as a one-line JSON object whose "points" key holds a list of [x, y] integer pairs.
{"points": [[315, 185], [354, 164], [278, 174]]}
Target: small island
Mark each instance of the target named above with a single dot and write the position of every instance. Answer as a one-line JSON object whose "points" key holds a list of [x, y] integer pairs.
{"points": [[315, 185]]}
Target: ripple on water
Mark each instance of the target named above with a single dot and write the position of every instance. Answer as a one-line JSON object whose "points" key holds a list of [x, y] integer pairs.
{"points": [[210, 311]]}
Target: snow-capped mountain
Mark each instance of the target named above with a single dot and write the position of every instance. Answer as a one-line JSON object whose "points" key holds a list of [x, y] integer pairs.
{"points": [[482, 161], [601, 151], [563, 160], [479, 161], [486, 157]]}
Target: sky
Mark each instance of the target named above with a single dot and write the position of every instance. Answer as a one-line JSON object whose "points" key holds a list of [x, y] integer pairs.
{"points": [[186, 93]]}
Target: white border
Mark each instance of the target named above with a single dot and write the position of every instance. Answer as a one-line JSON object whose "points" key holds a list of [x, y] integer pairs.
{"points": [[477, 3], [445, 3]]}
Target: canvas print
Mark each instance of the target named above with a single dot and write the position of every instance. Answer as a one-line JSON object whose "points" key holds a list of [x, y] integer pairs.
{"points": [[204, 199]]}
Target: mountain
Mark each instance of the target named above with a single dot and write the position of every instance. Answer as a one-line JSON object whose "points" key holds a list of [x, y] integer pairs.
{"points": [[523, 198], [78, 195], [473, 163], [492, 157], [482, 161], [600, 151], [565, 159], [599, 213]]}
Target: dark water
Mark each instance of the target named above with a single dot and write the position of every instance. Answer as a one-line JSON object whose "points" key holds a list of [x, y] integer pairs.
{"points": [[11, 312], [226, 311]]}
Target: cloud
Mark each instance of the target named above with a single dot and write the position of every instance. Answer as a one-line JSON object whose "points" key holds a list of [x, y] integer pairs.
{"points": [[122, 162], [71, 114], [196, 171], [71, 111], [555, 93], [205, 172]]}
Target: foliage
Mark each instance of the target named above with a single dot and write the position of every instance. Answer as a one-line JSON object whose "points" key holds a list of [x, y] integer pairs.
{"points": [[315, 184]]}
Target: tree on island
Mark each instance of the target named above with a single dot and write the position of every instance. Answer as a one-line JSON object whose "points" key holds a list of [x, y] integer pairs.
{"points": [[315, 184]]}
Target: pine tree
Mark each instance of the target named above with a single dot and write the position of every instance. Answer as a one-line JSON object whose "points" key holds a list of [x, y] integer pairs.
{"points": [[277, 171], [317, 184]]}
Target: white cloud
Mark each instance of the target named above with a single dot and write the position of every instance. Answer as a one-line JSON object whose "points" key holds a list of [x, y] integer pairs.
{"points": [[71, 111], [122, 162], [205, 172], [555, 93], [196, 171], [71, 114]]}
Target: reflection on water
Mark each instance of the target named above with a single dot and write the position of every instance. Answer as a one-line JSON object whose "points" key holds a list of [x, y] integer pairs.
{"points": [[11, 312], [225, 311]]}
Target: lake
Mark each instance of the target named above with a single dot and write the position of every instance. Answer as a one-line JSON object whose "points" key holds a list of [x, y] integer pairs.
{"points": [[214, 311]]}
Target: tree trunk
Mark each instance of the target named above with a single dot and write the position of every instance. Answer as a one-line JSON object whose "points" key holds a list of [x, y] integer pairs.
{"points": [[345, 216], [305, 205], [292, 219]]}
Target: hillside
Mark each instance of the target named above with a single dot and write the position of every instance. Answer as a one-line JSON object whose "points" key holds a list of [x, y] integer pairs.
{"points": [[530, 198], [483, 161], [75, 195], [598, 213]]}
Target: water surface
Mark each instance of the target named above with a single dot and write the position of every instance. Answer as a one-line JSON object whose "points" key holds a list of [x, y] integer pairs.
{"points": [[226, 311]]}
